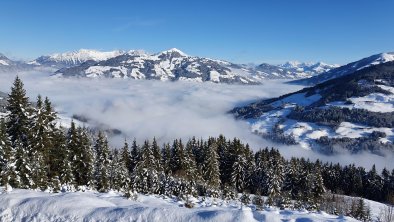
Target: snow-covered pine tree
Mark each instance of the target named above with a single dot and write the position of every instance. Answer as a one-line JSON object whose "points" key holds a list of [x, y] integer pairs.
{"points": [[63, 164], [193, 175], [102, 162], [211, 168], [18, 123], [275, 177], [239, 168], [166, 158], [40, 144], [291, 178], [318, 188], [146, 177], [126, 158], [51, 159], [157, 156], [373, 184], [135, 155], [74, 153], [122, 174], [177, 158], [7, 171], [87, 158]]}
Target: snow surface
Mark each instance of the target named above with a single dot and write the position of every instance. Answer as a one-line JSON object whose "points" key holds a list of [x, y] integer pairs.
{"points": [[374, 102], [28, 205], [298, 99], [2, 62]]}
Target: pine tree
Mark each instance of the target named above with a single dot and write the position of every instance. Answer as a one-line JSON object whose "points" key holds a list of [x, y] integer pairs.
{"points": [[62, 164], [166, 158], [134, 156], [87, 158], [40, 144], [318, 188], [18, 123], [51, 159], [7, 170], [211, 167], [238, 174], [275, 176], [19, 109], [126, 158], [101, 175], [177, 160], [373, 185], [157, 156], [146, 176]]}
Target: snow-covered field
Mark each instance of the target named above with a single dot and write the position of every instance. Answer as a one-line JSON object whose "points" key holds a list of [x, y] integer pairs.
{"points": [[28, 205]]}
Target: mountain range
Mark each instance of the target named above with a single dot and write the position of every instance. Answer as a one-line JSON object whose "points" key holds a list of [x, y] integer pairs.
{"points": [[169, 65]]}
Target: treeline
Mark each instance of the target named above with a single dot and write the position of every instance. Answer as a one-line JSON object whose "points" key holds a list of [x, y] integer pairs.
{"points": [[369, 143], [35, 154], [333, 116]]}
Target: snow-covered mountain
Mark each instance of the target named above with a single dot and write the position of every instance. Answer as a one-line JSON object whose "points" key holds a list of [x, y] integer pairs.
{"points": [[68, 59], [354, 111], [169, 65], [173, 64], [349, 68], [292, 70], [8, 65]]}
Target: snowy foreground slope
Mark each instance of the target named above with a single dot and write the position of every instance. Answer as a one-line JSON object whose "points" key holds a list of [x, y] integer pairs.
{"points": [[28, 205]]}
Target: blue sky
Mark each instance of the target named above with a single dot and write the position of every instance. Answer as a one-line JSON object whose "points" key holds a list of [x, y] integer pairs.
{"points": [[334, 31]]}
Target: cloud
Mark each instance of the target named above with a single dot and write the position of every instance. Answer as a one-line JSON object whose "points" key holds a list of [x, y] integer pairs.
{"points": [[168, 110]]}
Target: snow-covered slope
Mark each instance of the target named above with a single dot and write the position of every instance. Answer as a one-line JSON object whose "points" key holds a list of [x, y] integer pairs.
{"points": [[355, 112], [27, 205], [68, 59], [349, 68]]}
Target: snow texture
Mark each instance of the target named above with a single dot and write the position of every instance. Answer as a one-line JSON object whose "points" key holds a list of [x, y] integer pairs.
{"points": [[27, 205]]}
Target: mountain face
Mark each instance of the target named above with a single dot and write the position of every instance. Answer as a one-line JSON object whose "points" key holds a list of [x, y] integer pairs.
{"points": [[348, 69], [69, 59], [354, 112], [173, 65], [292, 70], [170, 65], [8, 65]]}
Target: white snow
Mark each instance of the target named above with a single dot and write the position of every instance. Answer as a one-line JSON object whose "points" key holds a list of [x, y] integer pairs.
{"points": [[298, 99], [214, 75], [2, 62], [352, 130], [83, 55], [27, 205], [374, 102]]}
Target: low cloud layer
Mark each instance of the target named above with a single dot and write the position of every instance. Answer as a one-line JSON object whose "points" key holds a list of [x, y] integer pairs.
{"points": [[166, 110]]}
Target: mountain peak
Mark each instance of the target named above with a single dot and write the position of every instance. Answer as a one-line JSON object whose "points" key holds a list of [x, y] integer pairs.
{"points": [[387, 56], [174, 51]]}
